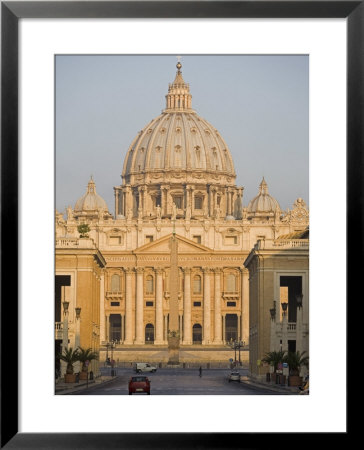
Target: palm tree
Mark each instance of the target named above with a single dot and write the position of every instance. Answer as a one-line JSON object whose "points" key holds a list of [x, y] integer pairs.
{"points": [[295, 361], [69, 356], [86, 355], [274, 358]]}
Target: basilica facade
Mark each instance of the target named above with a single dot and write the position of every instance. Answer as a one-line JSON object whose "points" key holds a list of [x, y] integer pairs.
{"points": [[178, 179]]}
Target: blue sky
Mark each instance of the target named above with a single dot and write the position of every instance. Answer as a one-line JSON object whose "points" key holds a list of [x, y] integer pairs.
{"points": [[258, 103]]}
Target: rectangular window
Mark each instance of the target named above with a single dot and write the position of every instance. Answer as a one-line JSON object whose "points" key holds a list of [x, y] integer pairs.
{"points": [[231, 303], [198, 202], [115, 240], [196, 303], [197, 239], [231, 240], [157, 200], [148, 239], [178, 201], [115, 303], [149, 303]]}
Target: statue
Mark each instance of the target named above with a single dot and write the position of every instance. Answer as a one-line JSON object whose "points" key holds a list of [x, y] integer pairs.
{"points": [[217, 213], [140, 213], [129, 214], [69, 213], [188, 212], [158, 212], [174, 211]]}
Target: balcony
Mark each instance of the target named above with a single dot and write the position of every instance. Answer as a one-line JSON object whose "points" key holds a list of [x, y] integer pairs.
{"points": [[230, 295], [117, 295]]}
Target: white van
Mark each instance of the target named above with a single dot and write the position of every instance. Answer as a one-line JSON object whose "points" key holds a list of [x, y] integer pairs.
{"points": [[144, 367]]}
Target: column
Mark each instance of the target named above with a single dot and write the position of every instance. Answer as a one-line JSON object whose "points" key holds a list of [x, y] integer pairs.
{"points": [[122, 337], [206, 307], [223, 329], [187, 325], [128, 307], [273, 337], [245, 306], [102, 308], [139, 316], [285, 332], [166, 327], [299, 346], [116, 194], [159, 307], [217, 331]]}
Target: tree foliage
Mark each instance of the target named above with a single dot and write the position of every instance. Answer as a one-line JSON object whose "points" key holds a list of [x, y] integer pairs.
{"points": [[69, 356], [83, 229], [295, 361], [86, 355], [274, 358]]}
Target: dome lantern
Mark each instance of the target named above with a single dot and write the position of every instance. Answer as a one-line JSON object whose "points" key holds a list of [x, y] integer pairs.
{"points": [[178, 97]]}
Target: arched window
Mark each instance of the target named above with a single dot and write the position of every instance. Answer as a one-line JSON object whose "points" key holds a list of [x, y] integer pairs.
{"points": [[149, 285], [198, 202], [115, 283], [197, 284], [230, 282], [149, 333]]}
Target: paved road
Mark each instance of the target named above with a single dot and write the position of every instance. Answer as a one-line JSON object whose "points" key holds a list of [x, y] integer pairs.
{"points": [[181, 382]]}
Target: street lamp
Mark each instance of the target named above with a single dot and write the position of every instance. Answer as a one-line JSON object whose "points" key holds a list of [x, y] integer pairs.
{"points": [[272, 313], [107, 352], [65, 334], [299, 298], [65, 307], [236, 345], [284, 307]]}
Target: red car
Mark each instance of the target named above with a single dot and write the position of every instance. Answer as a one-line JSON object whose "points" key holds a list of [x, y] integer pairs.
{"points": [[138, 384]]}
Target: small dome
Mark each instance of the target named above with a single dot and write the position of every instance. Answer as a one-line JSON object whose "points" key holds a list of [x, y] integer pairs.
{"points": [[91, 201], [263, 202]]}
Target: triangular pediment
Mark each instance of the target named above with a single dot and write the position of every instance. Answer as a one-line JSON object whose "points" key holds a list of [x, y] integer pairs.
{"points": [[162, 245]]}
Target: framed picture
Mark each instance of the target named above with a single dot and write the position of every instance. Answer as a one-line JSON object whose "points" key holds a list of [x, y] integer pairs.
{"points": [[15, 366]]}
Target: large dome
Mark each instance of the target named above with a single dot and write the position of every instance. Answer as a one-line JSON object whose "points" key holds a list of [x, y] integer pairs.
{"points": [[178, 139], [178, 166]]}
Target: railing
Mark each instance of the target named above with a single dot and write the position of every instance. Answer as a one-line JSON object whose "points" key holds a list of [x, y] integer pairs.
{"points": [[58, 330], [281, 244], [75, 243], [117, 294]]}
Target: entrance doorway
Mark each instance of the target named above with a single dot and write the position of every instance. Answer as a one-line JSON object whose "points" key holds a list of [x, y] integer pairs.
{"points": [[231, 327], [115, 327], [197, 334], [149, 333]]}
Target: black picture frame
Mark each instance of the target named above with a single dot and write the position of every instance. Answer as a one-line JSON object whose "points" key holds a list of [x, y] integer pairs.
{"points": [[11, 12]]}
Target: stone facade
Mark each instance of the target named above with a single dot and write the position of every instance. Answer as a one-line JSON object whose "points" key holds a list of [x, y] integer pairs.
{"points": [[278, 271], [178, 179]]}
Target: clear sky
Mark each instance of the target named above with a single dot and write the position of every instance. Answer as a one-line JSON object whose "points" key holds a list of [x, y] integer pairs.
{"points": [[258, 103]]}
